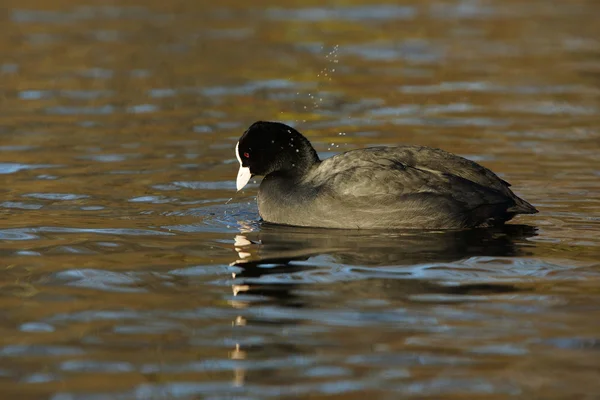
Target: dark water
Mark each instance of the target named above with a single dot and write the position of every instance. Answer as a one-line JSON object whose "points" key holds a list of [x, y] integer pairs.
{"points": [[131, 269]]}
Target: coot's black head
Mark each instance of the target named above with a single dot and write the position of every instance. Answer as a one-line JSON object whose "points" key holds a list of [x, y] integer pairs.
{"points": [[272, 147]]}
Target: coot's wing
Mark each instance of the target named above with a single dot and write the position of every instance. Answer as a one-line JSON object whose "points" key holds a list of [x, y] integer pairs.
{"points": [[442, 161], [427, 158], [389, 172], [387, 181]]}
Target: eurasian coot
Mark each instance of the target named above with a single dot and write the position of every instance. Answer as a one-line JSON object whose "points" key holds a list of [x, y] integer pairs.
{"points": [[404, 187]]}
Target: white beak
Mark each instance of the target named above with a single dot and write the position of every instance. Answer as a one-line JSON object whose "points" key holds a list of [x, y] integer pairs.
{"points": [[243, 177], [244, 174]]}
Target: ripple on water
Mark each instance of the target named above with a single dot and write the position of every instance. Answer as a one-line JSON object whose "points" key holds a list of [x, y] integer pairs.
{"points": [[381, 12], [109, 157], [77, 14], [30, 233], [85, 94], [202, 185], [17, 148], [550, 108], [412, 109], [197, 185], [91, 366], [162, 92], [69, 94], [483, 86], [453, 122], [81, 110], [56, 196], [9, 68], [414, 51], [20, 205], [92, 208], [11, 168], [153, 199], [36, 327], [17, 234], [251, 87], [577, 343], [229, 218], [34, 94], [40, 378], [99, 280], [142, 108], [97, 73], [39, 350]]}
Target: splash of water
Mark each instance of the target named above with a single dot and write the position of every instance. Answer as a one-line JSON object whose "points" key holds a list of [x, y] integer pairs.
{"points": [[326, 74]]}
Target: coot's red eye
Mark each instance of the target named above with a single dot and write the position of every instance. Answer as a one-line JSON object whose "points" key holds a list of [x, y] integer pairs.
{"points": [[247, 155]]}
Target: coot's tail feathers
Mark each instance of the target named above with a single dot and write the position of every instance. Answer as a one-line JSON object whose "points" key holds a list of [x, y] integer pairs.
{"points": [[522, 207]]}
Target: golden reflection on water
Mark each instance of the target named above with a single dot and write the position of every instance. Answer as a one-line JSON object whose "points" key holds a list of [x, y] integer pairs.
{"points": [[132, 269]]}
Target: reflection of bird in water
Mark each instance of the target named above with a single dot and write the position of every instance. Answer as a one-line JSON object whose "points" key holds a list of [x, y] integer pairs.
{"points": [[379, 248], [281, 267], [272, 258]]}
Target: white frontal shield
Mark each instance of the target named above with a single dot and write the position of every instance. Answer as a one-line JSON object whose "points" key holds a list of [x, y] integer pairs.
{"points": [[244, 174]]}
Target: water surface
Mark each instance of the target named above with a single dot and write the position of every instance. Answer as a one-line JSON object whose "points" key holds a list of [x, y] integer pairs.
{"points": [[132, 269]]}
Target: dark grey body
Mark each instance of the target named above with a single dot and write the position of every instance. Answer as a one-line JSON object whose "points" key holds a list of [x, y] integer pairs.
{"points": [[408, 187]]}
